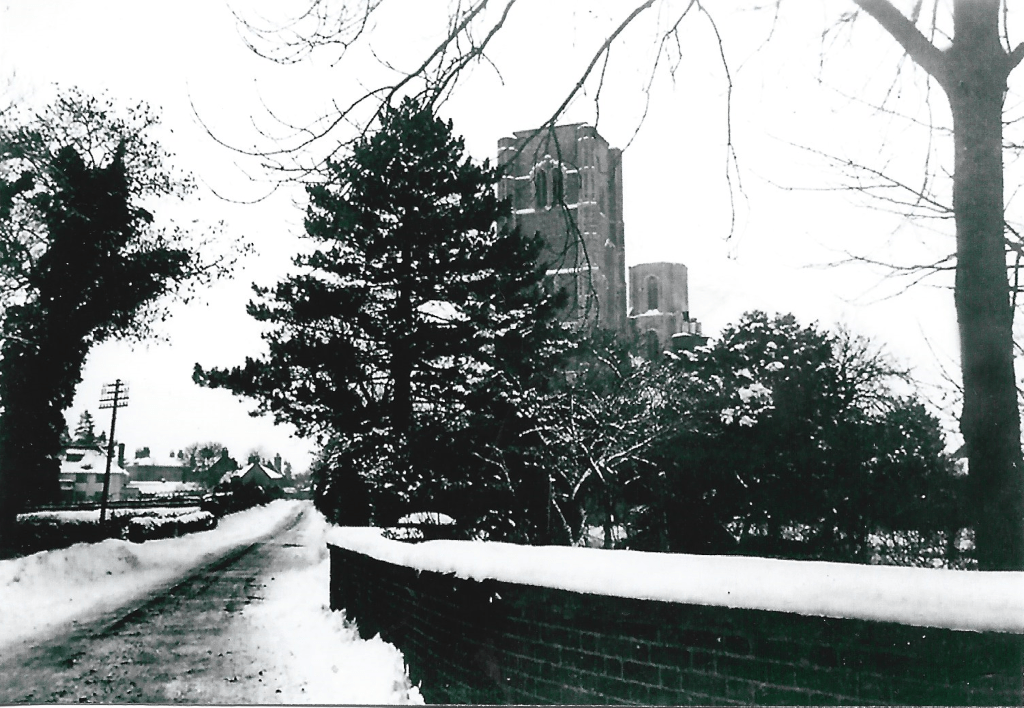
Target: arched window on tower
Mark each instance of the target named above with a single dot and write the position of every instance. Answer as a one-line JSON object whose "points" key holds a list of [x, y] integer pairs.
{"points": [[652, 293], [556, 186], [540, 184]]}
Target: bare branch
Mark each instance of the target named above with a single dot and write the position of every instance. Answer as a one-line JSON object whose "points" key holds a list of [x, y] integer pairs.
{"points": [[730, 149], [1014, 58], [602, 50], [924, 53]]}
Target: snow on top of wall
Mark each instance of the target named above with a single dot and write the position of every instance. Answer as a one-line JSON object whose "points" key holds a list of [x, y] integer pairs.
{"points": [[94, 514], [923, 597]]}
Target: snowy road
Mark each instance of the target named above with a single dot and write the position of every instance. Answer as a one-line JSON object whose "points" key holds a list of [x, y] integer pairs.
{"points": [[238, 630]]}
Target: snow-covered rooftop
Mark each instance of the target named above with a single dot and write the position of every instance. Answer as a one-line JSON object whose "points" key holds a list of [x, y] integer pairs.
{"points": [[243, 471], [157, 461], [82, 460], [269, 469], [924, 597]]}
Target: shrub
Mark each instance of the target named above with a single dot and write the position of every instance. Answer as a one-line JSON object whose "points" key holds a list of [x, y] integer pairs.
{"points": [[50, 530], [145, 528]]}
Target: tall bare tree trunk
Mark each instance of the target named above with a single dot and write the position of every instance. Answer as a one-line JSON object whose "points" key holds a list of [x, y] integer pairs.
{"points": [[973, 73], [991, 420]]}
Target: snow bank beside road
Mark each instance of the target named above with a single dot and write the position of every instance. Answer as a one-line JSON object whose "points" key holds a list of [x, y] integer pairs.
{"points": [[46, 590], [312, 655], [921, 597]]}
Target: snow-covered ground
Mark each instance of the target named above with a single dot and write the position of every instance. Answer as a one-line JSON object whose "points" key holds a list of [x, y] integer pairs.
{"points": [[924, 597], [52, 588], [320, 657]]}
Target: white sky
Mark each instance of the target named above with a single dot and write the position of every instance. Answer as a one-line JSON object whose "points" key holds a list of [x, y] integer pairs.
{"points": [[676, 208]]}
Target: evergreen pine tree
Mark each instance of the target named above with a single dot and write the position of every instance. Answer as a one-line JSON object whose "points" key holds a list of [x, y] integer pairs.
{"points": [[85, 431], [413, 300]]}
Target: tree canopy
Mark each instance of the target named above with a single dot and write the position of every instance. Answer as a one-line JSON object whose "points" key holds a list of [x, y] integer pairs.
{"points": [[85, 430], [414, 298], [791, 441], [81, 262]]}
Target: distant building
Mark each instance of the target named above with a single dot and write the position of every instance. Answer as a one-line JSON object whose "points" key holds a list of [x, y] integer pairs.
{"points": [[153, 490], [566, 185], [82, 469], [153, 468], [257, 474], [660, 308], [225, 464]]}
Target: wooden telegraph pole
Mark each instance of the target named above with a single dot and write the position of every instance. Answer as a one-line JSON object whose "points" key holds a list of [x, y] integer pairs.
{"points": [[114, 396]]}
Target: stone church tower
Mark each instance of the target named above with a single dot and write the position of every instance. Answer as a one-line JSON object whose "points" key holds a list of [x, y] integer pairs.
{"points": [[566, 184], [659, 311]]}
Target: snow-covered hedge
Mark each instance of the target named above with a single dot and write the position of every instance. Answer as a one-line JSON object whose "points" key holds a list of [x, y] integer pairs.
{"points": [[47, 530], [78, 515], [46, 533], [144, 528], [158, 512], [926, 597]]}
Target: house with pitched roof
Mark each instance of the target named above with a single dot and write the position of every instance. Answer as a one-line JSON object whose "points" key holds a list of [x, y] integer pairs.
{"points": [[257, 474], [82, 468]]}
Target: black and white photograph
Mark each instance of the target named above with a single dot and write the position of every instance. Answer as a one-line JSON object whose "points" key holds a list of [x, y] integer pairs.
{"points": [[557, 352]]}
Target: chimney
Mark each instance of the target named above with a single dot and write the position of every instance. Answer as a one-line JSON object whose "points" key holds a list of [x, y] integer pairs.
{"points": [[277, 463], [120, 455]]}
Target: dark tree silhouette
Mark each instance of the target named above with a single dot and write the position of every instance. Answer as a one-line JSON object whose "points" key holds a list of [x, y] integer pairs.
{"points": [[973, 73], [85, 431], [82, 262], [788, 440]]}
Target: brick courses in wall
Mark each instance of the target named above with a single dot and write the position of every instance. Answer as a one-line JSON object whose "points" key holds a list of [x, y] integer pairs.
{"points": [[494, 642]]}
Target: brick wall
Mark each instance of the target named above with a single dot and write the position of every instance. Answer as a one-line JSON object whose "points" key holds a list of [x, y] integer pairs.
{"points": [[493, 642]]}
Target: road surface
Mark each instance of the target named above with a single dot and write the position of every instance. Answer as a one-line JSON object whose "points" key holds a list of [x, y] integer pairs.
{"points": [[186, 643]]}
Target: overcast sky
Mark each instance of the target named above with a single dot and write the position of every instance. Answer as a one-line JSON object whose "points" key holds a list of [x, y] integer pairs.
{"points": [[791, 89]]}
